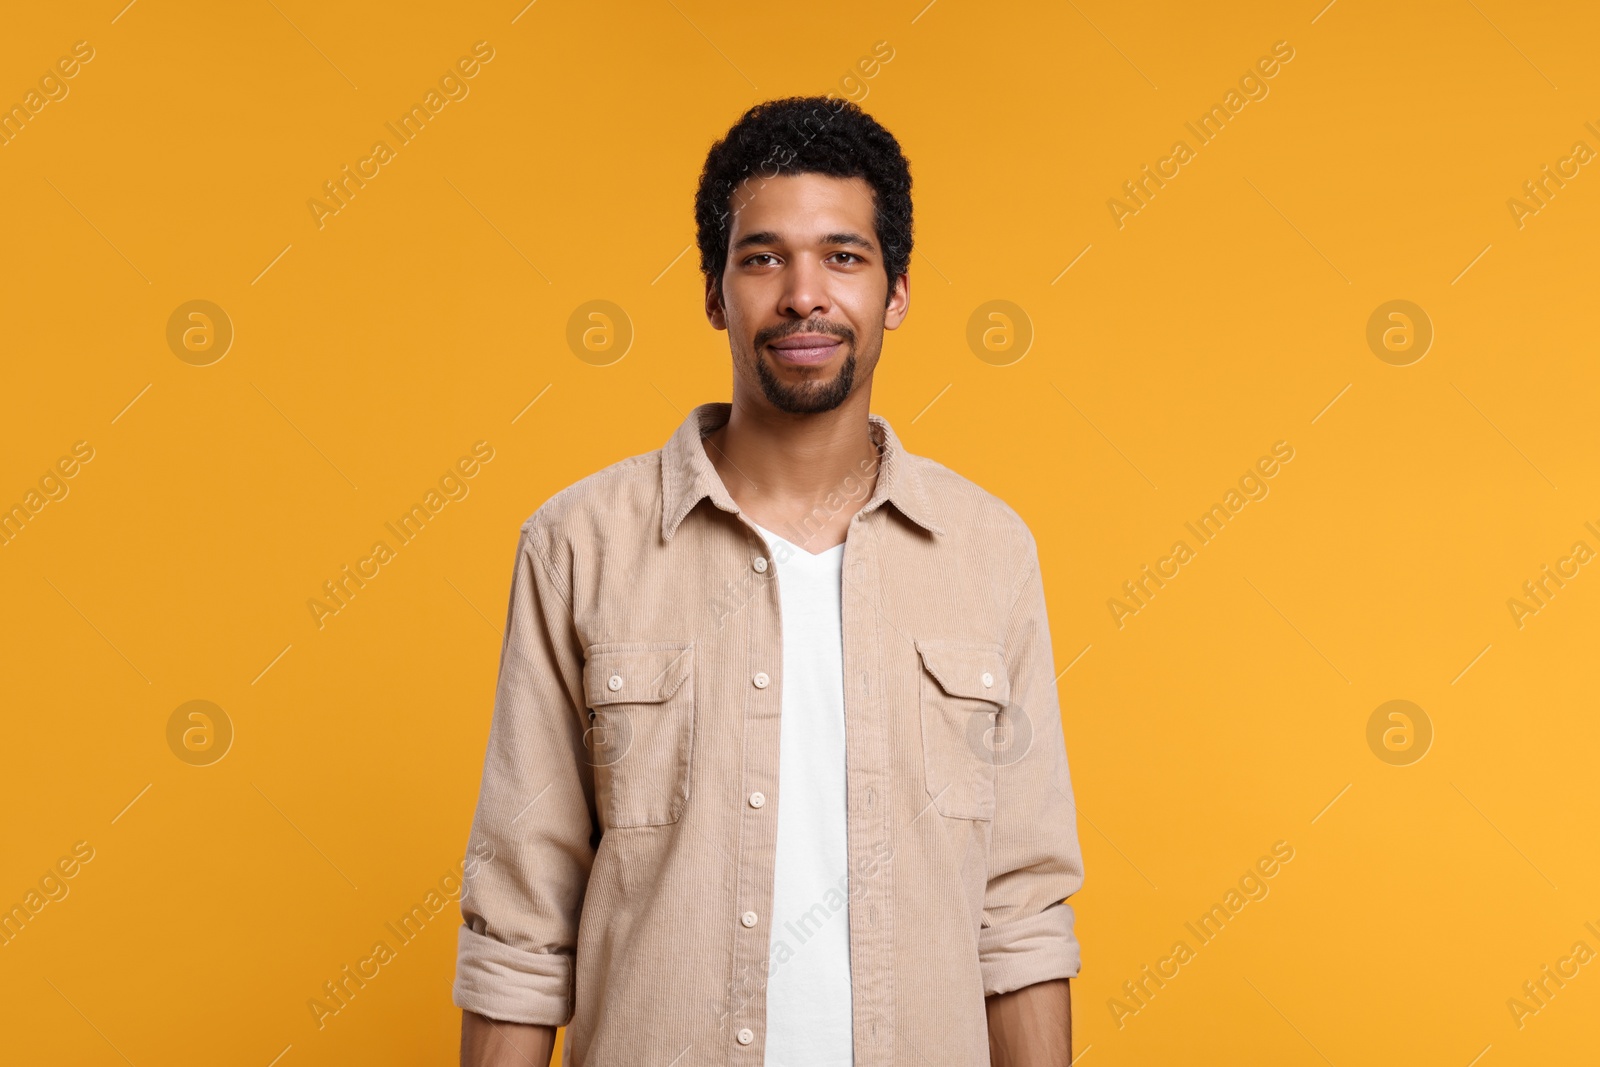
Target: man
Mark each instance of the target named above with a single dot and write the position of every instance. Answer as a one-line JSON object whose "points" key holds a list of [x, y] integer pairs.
{"points": [[731, 827]]}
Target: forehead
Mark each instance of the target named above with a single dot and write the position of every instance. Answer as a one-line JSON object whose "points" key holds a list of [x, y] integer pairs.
{"points": [[801, 206]]}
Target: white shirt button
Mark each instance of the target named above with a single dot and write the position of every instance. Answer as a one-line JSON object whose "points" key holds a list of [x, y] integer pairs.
{"points": [[761, 679], [614, 682], [988, 680], [748, 919], [757, 799], [760, 564], [746, 1036]]}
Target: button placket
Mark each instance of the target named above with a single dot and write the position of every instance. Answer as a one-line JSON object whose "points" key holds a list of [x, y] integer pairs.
{"points": [[869, 758], [761, 729]]}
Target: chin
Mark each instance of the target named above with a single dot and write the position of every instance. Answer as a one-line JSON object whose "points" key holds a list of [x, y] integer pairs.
{"points": [[811, 396]]}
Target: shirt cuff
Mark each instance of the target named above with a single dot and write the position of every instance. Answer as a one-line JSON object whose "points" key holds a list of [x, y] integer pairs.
{"points": [[1039, 948], [506, 983]]}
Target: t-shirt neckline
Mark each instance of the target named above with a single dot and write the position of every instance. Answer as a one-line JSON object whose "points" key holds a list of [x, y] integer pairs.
{"points": [[824, 554]]}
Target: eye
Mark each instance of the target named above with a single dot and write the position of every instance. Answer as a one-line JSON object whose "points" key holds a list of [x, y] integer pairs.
{"points": [[759, 255], [851, 255]]}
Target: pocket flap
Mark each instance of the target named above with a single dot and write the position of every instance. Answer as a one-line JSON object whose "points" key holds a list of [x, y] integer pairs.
{"points": [[961, 668], [646, 674]]}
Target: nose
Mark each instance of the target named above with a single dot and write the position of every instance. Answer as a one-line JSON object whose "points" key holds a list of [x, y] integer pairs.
{"points": [[805, 289]]}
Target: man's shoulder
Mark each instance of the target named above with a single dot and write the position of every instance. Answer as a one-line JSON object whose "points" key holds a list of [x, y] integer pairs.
{"points": [[977, 518], [625, 492]]}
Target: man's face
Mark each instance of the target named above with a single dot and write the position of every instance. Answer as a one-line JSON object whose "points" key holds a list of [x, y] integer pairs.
{"points": [[804, 296]]}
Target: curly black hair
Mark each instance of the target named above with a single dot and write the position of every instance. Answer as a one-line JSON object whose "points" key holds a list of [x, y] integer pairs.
{"points": [[806, 135]]}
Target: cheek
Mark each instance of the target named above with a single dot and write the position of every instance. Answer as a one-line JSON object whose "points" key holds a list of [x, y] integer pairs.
{"points": [[867, 315], [742, 326], [750, 303], [733, 313]]}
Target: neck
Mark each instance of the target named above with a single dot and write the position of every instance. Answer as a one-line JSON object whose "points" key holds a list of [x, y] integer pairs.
{"points": [[802, 476]]}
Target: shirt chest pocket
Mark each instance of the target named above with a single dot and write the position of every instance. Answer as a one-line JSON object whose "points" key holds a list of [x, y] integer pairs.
{"points": [[640, 735], [963, 686]]}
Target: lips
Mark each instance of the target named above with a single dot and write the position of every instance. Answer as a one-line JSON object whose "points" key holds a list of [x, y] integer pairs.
{"points": [[806, 349]]}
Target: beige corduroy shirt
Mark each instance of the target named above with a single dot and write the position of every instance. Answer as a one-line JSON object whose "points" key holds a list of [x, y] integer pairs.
{"points": [[626, 824]]}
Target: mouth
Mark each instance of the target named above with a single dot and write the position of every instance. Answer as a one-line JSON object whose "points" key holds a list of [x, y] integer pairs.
{"points": [[806, 349]]}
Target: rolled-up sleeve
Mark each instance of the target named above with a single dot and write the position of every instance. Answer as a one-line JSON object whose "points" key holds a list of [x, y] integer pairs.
{"points": [[531, 846], [1027, 932]]}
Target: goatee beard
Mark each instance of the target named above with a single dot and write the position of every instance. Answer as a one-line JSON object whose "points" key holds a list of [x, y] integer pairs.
{"points": [[809, 398]]}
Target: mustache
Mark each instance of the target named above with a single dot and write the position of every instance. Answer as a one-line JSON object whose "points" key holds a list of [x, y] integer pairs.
{"points": [[769, 334]]}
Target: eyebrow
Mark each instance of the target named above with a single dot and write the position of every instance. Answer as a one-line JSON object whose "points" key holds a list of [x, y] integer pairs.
{"points": [[768, 237]]}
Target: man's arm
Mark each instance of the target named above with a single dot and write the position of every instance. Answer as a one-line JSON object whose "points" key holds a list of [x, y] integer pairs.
{"points": [[532, 841], [1027, 948], [1031, 1026], [487, 1042]]}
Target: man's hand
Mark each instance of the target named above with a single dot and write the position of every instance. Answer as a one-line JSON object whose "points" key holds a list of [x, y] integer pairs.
{"points": [[489, 1042], [1031, 1026]]}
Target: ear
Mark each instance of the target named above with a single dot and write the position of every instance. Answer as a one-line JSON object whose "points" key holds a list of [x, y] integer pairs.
{"points": [[899, 303], [716, 314]]}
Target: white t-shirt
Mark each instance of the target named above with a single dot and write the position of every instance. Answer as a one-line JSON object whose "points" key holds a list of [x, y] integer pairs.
{"points": [[808, 985]]}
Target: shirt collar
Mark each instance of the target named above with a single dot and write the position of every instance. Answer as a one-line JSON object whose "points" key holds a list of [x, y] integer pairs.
{"points": [[687, 476]]}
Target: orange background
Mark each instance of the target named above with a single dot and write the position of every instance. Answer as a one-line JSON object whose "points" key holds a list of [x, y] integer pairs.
{"points": [[1229, 313]]}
